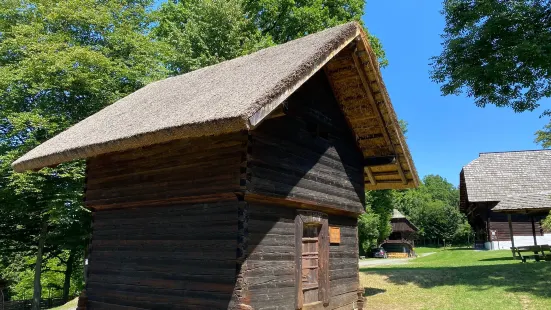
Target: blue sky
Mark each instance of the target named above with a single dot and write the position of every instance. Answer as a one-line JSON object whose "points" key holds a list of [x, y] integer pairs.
{"points": [[444, 133]]}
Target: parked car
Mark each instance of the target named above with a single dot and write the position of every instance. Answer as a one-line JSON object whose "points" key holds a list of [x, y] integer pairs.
{"points": [[379, 253]]}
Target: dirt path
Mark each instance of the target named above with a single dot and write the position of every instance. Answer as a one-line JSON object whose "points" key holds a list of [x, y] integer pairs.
{"points": [[393, 261]]}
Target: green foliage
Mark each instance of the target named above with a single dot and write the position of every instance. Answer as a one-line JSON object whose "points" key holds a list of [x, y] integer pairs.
{"points": [[381, 203], [368, 231], [434, 209], [546, 223], [61, 61], [374, 225], [497, 52], [52, 277], [200, 33], [206, 32], [543, 136], [285, 20]]}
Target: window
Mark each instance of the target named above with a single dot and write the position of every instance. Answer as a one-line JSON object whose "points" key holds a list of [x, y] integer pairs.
{"points": [[312, 258]]}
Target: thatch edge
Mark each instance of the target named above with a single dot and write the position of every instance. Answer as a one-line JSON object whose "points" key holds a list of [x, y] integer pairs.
{"points": [[306, 73], [169, 134], [250, 119], [392, 114]]}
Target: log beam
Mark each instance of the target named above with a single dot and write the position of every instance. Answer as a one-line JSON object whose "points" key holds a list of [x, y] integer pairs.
{"points": [[378, 114]]}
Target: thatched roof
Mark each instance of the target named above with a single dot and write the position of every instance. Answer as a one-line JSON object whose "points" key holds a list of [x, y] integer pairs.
{"points": [[525, 203], [237, 95], [495, 176]]}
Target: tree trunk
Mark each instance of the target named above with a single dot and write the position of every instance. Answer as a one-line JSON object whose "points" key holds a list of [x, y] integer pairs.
{"points": [[37, 293], [68, 273]]}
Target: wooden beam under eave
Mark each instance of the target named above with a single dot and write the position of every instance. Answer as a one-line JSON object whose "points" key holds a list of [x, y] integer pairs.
{"points": [[388, 185], [370, 176], [378, 114], [370, 98]]}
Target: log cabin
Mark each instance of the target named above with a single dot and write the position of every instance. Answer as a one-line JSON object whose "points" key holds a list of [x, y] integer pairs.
{"points": [[495, 177], [239, 185], [401, 241]]}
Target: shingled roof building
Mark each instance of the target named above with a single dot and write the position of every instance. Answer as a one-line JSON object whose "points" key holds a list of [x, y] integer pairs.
{"points": [[401, 241], [507, 178], [238, 185]]}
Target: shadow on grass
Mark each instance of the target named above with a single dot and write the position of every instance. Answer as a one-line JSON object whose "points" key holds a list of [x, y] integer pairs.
{"points": [[496, 259], [532, 278], [460, 249], [371, 291]]}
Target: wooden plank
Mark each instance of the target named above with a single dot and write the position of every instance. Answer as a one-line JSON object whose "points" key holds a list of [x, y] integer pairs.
{"points": [[378, 114], [299, 298], [370, 176], [324, 287], [511, 234], [534, 230], [294, 203], [334, 234]]}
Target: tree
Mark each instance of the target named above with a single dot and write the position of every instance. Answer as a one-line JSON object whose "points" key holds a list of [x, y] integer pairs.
{"points": [[61, 61], [200, 33], [497, 52], [440, 189], [368, 231], [374, 225], [285, 20], [205, 32], [434, 209]]}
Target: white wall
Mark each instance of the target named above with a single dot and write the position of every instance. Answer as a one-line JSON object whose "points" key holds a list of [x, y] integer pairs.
{"points": [[519, 241]]}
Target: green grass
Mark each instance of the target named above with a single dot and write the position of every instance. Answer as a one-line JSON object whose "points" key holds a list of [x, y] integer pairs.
{"points": [[459, 279], [71, 305]]}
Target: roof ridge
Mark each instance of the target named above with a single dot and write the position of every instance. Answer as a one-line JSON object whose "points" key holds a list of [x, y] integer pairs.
{"points": [[517, 151]]}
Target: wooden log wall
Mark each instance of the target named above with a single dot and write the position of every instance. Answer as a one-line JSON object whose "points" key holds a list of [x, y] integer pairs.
{"points": [[343, 264], [206, 168], [522, 225], [166, 225], [308, 153], [164, 257], [269, 267], [173, 227], [483, 220]]}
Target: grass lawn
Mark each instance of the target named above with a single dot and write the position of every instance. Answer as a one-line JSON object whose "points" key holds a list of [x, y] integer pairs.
{"points": [[71, 305], [459, 279]]}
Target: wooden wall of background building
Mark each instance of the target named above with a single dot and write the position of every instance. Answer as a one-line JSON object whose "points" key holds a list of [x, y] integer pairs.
{"points": [[309, 153], [522, 225], [483, 219], [401, 225], [463, 197]]}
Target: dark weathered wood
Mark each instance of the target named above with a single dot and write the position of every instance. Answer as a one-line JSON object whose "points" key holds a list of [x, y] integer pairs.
{"points": [[511, 234], [297, 203], [324, 291], [197, 170], [212, 222], [308, 154], [165, 257], [298, 262], [533, 230], [483, 220]]}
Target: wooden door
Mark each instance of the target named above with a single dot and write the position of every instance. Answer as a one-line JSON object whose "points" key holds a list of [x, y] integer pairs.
{"points": [[310, 263]]}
